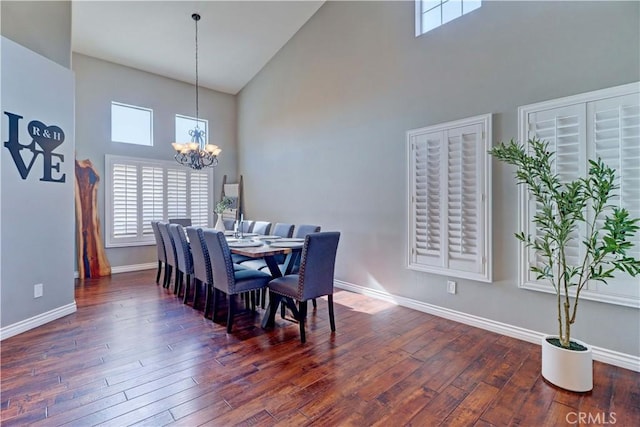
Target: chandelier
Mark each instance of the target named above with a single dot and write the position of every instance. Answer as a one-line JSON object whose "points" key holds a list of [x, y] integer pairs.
{"points": [[196, 154]]}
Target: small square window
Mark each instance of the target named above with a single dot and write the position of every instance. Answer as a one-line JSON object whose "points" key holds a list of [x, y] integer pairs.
{"points": [[131, 124], [185, 124], [431, 14]]}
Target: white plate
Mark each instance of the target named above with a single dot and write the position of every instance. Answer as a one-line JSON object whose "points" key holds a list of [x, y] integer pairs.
{"points": [[281, 244], [231, 240], [291, 240], [244, 244], [263, 237]]}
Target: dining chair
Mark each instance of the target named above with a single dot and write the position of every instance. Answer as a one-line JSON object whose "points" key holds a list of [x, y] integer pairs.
{"points": [[226, 278], [282, 230], [184, 260], [162, 256], [314, 280], [261, 227], [185, 222], [170, 251], [202, 276], [301, 231]]}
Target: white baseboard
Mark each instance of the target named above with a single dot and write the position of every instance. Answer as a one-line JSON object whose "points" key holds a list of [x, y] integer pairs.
{"points": [[35, 321], [134, 267], [604, 355], [128, 268]]}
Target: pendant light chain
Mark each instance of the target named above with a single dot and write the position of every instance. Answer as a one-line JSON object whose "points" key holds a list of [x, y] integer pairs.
{"points": [[196, 17]]}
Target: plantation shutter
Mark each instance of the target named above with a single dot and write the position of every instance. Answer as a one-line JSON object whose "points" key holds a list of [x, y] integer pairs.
{"points": [[448, 209], [152, 197], [616, 140], [427, 223], [564, 129], [200, 210], [125, 201], [605, 124], [464, 199], [138, 191], [176, 193]]}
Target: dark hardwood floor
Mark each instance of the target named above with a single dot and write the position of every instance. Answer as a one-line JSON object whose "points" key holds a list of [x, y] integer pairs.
{"points": [[134, 354]]}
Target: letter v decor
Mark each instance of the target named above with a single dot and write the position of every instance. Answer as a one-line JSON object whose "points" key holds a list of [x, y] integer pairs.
{"points": [[92, 260]]}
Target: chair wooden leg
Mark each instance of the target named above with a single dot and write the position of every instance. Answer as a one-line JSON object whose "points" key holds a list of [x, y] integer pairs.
{"points": [[178, 282], [315, 304], [208, 300], [167, 276], [231, 312], [216, 298], [302, 313], [332, 320], [159, 271], [187, 289], [263, 293], [196, 291]]}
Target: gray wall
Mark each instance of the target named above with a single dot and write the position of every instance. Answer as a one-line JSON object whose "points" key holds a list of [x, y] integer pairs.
{"points": [[37, 216], [322, 127], [99, 82], [41, 26]]}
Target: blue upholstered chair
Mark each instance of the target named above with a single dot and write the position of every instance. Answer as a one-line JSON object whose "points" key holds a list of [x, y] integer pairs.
{"points": [[226, 278], [282, 230], [314, 280], [261, 227], [170, 252], [185, 222], [184, 259], [162, 256], [201, 267]]}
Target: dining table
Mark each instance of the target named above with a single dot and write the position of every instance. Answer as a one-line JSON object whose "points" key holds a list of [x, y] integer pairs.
{"points": [[268, 247]]}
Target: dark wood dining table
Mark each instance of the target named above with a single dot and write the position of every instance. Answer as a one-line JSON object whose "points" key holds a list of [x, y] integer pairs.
{"points": [[268, 253]]}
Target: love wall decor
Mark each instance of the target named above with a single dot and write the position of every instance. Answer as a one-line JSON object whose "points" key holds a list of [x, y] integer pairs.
{"points": [[44, 140]]}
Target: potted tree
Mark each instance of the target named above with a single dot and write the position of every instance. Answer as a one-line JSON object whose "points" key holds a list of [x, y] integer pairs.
{"points": [[221, 206], [565, 209]]}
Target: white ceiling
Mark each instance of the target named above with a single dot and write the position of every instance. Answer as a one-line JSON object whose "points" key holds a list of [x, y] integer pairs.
{"points": [[235, 38]]}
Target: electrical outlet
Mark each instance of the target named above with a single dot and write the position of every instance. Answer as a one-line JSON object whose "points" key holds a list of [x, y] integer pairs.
{"points": [[451, 286], [38, 290]]}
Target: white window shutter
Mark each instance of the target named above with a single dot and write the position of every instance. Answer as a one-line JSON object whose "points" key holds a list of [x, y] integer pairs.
{"points": [[176, 193], [125, 201], [200, 210], [448, 185], [152, 197], [605, 124], [564, 129], [427, 222], [464, 206], [616, 137]]}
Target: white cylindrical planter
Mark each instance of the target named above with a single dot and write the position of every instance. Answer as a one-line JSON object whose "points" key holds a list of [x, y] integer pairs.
{"points": [[569, 369]]}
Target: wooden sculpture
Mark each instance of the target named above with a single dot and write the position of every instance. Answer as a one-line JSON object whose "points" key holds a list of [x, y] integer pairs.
{"points": [[92, 260]]}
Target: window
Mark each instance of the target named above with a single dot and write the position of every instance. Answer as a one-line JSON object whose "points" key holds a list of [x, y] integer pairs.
{"points": [[431, 14], [131, 124], [184, 124], [449, 206], [139, 191], [605, 124]]}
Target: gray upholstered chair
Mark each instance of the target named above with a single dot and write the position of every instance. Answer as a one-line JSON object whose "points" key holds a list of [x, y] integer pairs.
{"points": [[282, 230], [201, 267], [261, 227], [246, 226], [170, 252], [185, 222], [184, 260], [314, 280], [162, 256], [225, 278], [302, 230]]}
